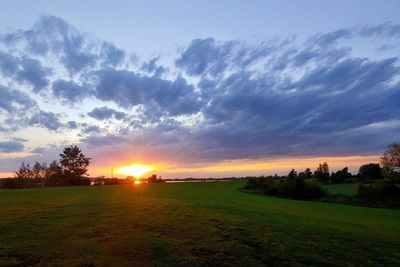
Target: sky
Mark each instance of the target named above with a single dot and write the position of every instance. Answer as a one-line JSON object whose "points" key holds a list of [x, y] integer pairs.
{"points": [[199, 88]]}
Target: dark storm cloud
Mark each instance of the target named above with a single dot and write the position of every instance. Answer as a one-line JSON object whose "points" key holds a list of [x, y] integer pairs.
{"points": [[11, 146], [104, 113]]}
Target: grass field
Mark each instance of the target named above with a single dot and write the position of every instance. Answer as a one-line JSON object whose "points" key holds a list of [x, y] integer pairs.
{"points": [[189, 224], [341, 189]]}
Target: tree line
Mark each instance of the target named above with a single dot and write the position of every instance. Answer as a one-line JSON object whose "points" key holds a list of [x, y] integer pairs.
{"points": [[377, 181], [70, 169]]}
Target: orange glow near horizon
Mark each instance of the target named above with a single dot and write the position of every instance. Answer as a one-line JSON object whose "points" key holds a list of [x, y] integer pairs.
{"points": [[267, 166], [230, 167], [135, 170]]}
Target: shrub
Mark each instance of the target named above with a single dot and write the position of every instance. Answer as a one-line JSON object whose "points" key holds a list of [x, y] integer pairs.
{"points": [[392, 176], [256, 183], [15, 183], [340, 176], [10, 183], [370, 171], [153, 179], [379, 191], [296, 188], [67, 181]]}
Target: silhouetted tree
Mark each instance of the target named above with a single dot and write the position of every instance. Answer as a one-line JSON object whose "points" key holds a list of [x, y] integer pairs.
{"points": [[341, 175], [370, 171], [73, 162], [322, 172], [292, 174], [24, 172], [390, 160], [306, 174], [54, 176], [152, 179], [54, 169], [26, 177], [39, 170]]}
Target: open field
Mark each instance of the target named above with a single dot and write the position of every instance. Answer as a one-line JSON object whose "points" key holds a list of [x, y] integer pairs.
{"points": [[341, 189], [196, 224]]}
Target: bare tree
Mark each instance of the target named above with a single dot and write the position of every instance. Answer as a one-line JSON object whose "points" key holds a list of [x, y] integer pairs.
{"points": [[24, 172], [390, 160]]}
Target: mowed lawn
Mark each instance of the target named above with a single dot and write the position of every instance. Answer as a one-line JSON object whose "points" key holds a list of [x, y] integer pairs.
{"points": [[342, 189], [189, 224]]}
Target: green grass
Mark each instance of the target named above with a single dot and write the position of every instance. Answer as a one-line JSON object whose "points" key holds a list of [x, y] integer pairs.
{"points": [[341, 189], [189, 224]]}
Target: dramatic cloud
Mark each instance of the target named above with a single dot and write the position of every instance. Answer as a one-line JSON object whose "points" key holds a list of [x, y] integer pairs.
{"points": [[217, 101], [128, 89], [211, 57], [76, 51], [24, 69]]}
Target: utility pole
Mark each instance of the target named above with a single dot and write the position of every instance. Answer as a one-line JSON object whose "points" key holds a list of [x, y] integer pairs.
{"points": [[112, 172]]}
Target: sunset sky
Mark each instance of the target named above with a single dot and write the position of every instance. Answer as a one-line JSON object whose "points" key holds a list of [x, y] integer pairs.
{"points": [[199, 88]]}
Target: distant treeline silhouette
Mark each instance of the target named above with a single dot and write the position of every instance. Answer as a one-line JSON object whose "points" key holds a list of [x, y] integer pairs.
{"points": [[70, 169], [377, 181]]}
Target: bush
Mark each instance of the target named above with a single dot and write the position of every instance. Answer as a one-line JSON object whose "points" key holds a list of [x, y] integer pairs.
{"points": [[341, 176], [153, 179], [67, 181], [379, 191], [10, 183], [259, 183], [15, 183], [392, 176], [370, 171], [296, 188]]}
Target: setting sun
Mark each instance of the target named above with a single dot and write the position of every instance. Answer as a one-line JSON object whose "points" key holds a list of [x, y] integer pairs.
{"points": [[136, 170]]}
